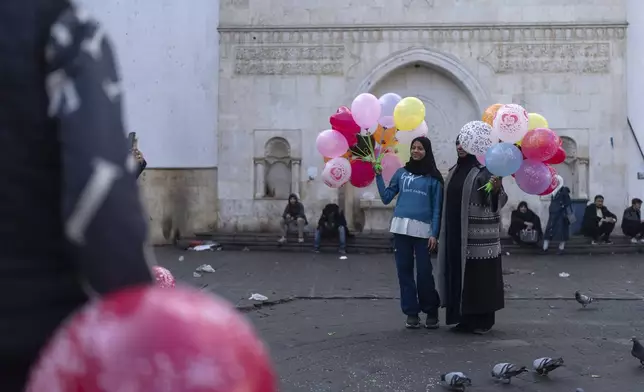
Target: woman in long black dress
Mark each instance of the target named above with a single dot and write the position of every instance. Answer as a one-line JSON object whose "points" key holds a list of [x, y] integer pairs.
{"points": [[469, 273]]}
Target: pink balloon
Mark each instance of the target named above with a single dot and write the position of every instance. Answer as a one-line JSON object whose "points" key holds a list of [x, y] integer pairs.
{"points": [[540, 143], [390, 164], [481, 159], [337, 172], [533, 177], [366, 110], [331, 143], [362, 173]]}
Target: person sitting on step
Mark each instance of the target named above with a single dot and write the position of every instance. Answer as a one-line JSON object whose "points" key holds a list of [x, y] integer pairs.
{"points": [[332, 224], [293, 213], [524, 218], [632, 224], [599, 222]]}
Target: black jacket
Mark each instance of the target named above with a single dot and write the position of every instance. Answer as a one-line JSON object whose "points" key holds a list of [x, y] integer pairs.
{"points": [[70, 216], [331, 219], [591, 220]]}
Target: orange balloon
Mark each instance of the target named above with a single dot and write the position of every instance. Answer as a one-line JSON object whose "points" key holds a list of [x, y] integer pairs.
{"points": [[490, 113], [346, 155], [386, 137]]}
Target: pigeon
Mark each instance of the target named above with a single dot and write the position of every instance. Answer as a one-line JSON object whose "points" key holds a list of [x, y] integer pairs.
{"points": [[456, 381], [583, 299], [505, 371], [638, 351], [543, 366]]}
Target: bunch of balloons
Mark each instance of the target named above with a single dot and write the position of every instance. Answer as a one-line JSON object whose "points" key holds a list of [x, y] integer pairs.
{"points": [[511, 141], [366, 136], [148, 339]]}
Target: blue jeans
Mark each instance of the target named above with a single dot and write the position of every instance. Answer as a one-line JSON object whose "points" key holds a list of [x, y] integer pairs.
{"points": [[342, 236], [417, 295]]}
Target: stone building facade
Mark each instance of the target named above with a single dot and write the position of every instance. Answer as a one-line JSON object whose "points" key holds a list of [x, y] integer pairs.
{"points": [[285, 67]]}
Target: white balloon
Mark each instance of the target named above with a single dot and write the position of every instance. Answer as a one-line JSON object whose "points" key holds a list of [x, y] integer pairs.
{"points": [[476, 137], [336, 172], [388, 103]]}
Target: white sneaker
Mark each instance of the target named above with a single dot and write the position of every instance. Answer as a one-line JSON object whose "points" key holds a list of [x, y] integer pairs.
{"points": [[282, 240], [300, 240], [642, 241], [593, 243], [634, 241]]}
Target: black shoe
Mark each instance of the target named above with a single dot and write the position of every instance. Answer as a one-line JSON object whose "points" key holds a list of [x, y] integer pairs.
{"points": [[481, 331], [460, 328], [413, 322], [316, 250], [431, 322]]}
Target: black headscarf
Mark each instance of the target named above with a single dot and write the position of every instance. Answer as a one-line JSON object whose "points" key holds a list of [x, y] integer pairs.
{"points": [[293, 209], [525, 216], [466, 162], [427, 165]]}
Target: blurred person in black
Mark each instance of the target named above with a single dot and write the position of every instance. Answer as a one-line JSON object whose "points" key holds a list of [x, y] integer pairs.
{"points": [[71, 223]]}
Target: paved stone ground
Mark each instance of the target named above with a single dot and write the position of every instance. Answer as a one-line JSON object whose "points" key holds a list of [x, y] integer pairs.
{"points": [[335, 324]]}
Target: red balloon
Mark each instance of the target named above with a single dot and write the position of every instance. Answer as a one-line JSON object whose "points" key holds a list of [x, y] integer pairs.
{"points": [[343, 122], [540, 144], [151, 339], [163, 277], [362, 173], [558, 158], [553, 183]]}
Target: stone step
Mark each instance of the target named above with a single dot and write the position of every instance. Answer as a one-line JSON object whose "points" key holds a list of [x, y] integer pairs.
{"points": [[381, 243]]}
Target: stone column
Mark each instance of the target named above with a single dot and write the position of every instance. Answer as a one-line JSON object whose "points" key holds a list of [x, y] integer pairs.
{"points": [[582, 177], [349, 205], [260, 181], [295, 176]]}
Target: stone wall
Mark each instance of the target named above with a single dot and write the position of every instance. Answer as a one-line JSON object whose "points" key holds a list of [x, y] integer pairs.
{"points": [[179, 199], [287, 77]]}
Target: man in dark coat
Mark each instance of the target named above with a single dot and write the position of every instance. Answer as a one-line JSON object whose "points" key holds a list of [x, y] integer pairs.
{"points": [[599, 222], [332, 224], [71, 222], [632, 224]]}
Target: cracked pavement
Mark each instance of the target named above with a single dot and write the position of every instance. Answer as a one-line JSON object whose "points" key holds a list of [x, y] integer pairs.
{"points": [[335, 325]]}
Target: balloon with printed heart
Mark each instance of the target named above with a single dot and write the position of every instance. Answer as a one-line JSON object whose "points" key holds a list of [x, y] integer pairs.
{"points": [[146, 339], [553, 183], [511, 123], [336, 172], [362, 174]]}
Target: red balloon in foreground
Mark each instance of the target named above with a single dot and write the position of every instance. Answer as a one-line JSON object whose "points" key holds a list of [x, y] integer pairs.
{"points": [[553, 183], [151, 339], [163, 277], [362, 173], [343, 122], [558, 158]]}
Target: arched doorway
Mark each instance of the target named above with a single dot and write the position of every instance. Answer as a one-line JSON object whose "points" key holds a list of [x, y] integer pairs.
{"points": [[452, 97]]}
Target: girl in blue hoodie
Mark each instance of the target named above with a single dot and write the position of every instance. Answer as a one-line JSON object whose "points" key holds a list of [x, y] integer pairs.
{"points": [[415, 225]]}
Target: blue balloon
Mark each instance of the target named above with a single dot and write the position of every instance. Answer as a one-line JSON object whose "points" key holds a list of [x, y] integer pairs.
{"points": [[503, 159]]}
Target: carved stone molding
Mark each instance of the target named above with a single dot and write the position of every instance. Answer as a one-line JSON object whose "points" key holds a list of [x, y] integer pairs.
{"points": [[570, 57], [289, 60], [426, 33]]}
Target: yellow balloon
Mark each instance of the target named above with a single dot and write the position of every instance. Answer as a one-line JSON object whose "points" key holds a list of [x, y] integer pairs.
{"points": [[409, 114], [403, 151], [535, 120]]}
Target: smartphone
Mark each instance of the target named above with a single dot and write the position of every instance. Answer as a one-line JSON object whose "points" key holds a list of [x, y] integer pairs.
{"points": [[131, 138]]}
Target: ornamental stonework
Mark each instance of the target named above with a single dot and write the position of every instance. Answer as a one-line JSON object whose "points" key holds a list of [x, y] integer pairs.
{"points": [[289, 60], [571, 57]]}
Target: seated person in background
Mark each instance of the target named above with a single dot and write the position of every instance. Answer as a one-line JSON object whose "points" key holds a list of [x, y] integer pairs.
{"points": [[293, 213], [632, 224], [332, 223], [524, 218], [598, 222]]}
